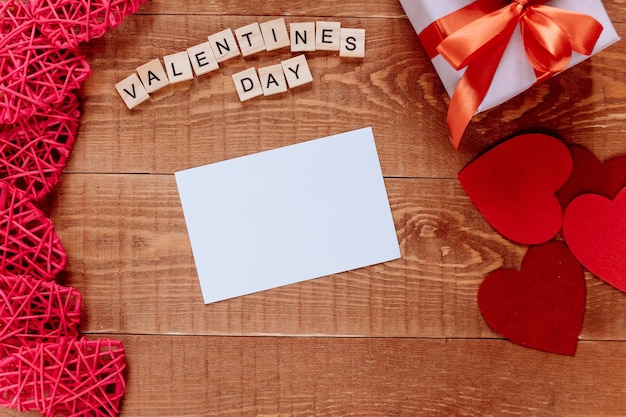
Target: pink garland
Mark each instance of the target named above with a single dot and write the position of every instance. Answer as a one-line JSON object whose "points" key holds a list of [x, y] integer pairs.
{"points": [[44, 365]]}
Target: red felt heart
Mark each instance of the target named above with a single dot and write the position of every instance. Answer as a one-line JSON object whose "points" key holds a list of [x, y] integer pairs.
{"points": [[590, 176], [594, 228], [542, 305], [514, 186]]}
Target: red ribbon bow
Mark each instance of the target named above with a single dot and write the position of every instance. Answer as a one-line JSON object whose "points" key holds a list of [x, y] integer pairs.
{"points": [[477, 35]]}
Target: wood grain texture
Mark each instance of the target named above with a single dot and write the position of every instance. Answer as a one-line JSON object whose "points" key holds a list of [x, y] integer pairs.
{"points": [[276, 376], [404, 338], [371, 377], [131, 259]]}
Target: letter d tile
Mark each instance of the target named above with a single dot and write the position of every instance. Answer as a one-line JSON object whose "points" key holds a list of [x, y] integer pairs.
{"points": [[247, 84]]}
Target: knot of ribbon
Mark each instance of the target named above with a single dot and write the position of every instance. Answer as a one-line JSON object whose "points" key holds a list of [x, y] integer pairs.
{"points": [[475, 37]]}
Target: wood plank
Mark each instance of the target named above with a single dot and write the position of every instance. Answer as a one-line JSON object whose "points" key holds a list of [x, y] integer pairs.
{"points": [[273, 376], [350, 8], [131, 259], [394, 89], [370, 377]]}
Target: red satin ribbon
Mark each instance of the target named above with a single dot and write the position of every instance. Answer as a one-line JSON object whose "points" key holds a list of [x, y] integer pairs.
{"points": [[477, 35]]}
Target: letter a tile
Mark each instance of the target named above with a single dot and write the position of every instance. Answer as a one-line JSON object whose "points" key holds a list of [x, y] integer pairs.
{"points": [[272, 80], [153, 76]]}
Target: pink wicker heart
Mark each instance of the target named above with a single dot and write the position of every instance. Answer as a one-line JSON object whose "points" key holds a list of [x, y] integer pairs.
{"points": [[34, 151], [33, 311], [43, 366], [69, 378], [28, 243], [68, 22], [34, 73]]}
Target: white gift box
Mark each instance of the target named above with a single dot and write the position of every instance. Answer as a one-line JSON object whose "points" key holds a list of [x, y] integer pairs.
{"points": [[514, 74]]}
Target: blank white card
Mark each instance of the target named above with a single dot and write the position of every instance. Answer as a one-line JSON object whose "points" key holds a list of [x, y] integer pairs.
{"points": [[287, 215]]}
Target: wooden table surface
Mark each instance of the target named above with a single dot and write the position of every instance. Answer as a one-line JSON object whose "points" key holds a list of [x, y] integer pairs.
{"points": [[405, 338]]}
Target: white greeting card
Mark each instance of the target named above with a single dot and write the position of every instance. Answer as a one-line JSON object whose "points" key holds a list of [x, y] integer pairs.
{"points": [[287, 215]]}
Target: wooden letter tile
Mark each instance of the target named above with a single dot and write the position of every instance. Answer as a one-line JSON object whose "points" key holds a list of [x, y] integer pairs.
{"points": [[224, 45], [275, 34], [352, 43], [178, 67], [297, 71], [247, 84], [202, 59], [327, 36], [272, 80], [132, 91], [250, 39], [153, 76], [302, 36]]}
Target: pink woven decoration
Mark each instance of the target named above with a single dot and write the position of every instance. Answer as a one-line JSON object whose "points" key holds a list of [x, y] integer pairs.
{"points": [[28, 243], [43, 366], [70, 378], [33, 311], [34, 151], [34, 73], [68, 22]]}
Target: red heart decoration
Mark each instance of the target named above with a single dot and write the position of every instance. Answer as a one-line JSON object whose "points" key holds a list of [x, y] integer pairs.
{"points": [[44, 367], [34, 73], [590, 176], [34, 151], [69, 378], [69, 22], [514, 186], [28, 243], [594, 228], [33, 311], [542, 305]]}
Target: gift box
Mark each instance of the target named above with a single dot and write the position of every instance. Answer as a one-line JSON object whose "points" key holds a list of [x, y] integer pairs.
{"points": [[488, 51]]}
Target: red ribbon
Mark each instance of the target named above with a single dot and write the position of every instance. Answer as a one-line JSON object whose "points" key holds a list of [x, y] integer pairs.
{"points": [[476, 36]]}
